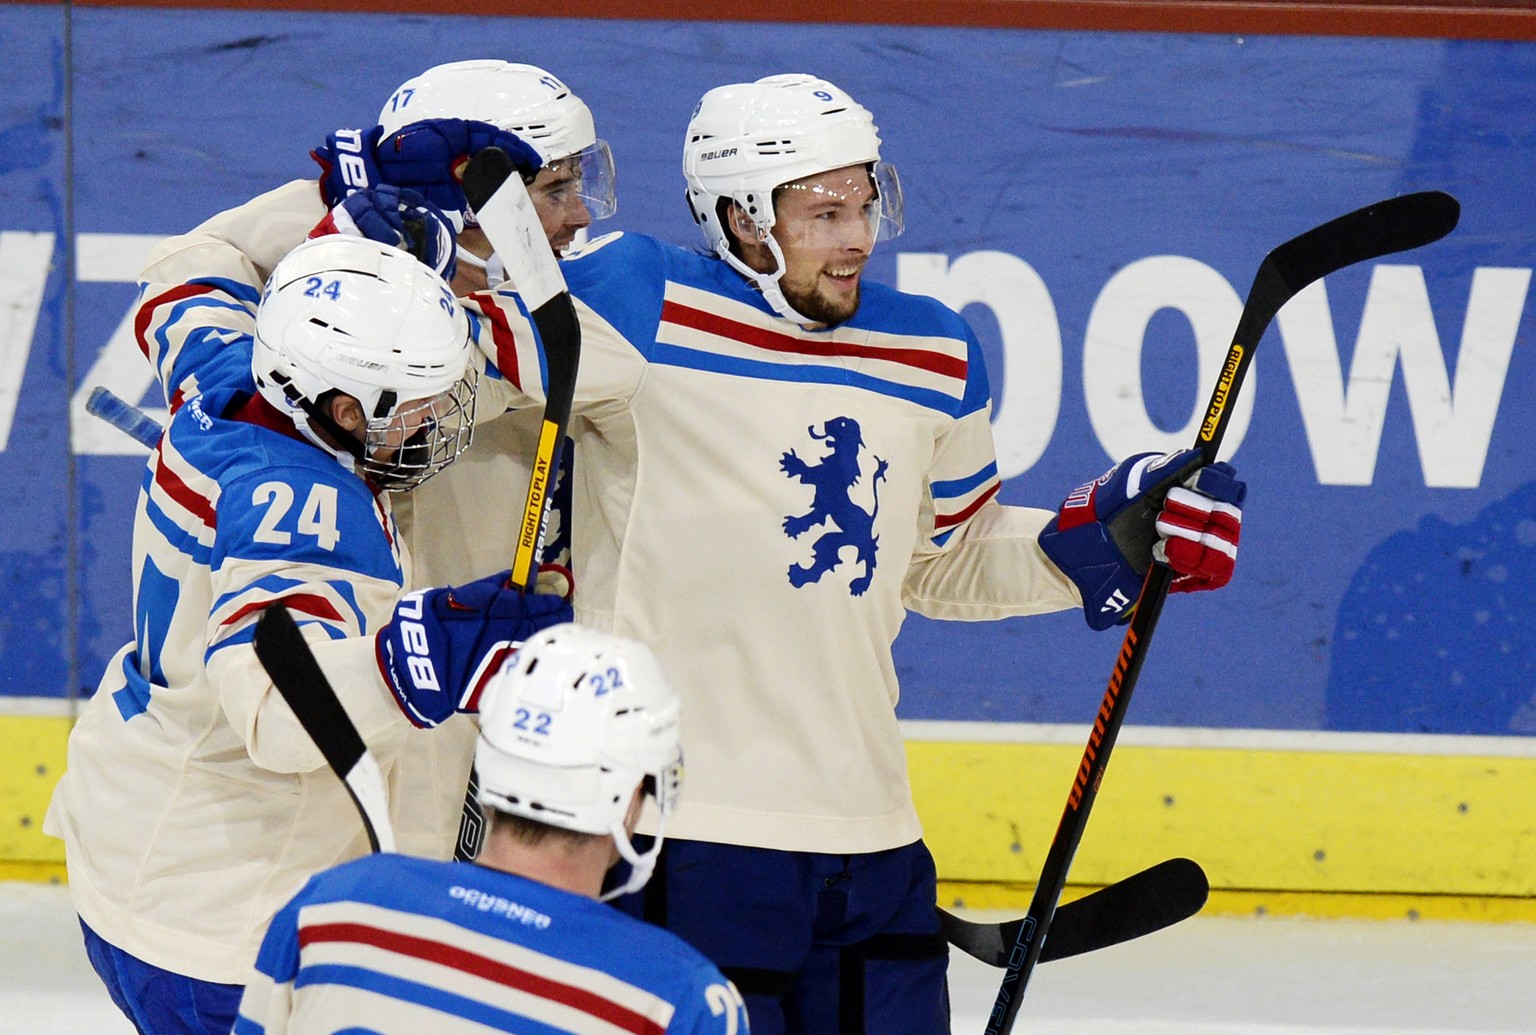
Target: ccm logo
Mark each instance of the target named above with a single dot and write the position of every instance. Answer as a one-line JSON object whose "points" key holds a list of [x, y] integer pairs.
{"points": [[413, 636], [349, 158]]}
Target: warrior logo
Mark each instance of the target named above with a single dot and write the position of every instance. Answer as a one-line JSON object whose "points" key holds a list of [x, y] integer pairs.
{"points": [[849, 524]]}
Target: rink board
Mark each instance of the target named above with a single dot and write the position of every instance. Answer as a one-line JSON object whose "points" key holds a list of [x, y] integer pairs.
{"points": [[1348, 833], [1096, 204]]}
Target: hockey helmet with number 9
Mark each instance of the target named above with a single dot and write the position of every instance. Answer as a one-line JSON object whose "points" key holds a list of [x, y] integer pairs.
{"points": [[570, 726], [522, 99], [747, 139], [348, 314]]}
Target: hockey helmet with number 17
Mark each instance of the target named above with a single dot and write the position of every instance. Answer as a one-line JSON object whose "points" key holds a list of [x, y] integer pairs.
{"points": [[570, 726], [521, 99]]}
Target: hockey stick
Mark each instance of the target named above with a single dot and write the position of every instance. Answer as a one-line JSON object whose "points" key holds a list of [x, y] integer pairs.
{"points": [[506, 215], [1394, 225], [1157, 897], [283, 652], [124, 416], [1148, 901]]}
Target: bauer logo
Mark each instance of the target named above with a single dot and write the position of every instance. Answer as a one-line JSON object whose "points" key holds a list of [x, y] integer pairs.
{"points": [[413, 638], [725, 152]]}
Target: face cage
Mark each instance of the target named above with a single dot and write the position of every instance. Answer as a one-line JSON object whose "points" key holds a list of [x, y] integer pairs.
{"points": [[666, 784], [445, 425]]}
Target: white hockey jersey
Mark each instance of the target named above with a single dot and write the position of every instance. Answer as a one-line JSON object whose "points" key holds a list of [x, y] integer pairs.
{"points": [[459, 526], [762, 504], [193, 805]]}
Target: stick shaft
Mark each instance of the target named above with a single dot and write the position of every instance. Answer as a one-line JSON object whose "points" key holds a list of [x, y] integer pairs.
{"points": [[1389, 226]]}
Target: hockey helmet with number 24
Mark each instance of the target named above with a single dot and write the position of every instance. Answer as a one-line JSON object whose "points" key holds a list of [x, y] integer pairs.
{"points": [[570, 726], [353, 315]]}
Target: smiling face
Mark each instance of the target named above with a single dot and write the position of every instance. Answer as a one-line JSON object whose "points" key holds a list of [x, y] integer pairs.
{"points": [[824, 226], [556, 196]]}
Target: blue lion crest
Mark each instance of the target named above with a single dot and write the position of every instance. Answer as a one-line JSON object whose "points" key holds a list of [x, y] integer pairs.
{"points": [[849, 524]]}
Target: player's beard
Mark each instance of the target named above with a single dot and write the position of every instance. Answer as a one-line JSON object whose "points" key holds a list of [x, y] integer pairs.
{"points": [[815, 304]]}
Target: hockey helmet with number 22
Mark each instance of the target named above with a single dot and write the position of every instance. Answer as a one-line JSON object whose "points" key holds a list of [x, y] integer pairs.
{"points": [[570, 726]]}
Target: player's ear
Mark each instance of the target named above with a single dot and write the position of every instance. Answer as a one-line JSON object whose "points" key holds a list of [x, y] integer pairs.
{"points": [[347, 412], [740, 225], [636, 805]]}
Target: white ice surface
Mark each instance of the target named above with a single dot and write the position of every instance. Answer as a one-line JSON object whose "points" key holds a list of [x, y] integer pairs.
{"points": [[1207, 976]]}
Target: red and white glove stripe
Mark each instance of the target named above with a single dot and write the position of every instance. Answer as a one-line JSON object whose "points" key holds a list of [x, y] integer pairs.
{"points": [[491, 665], [337, 221], [1198, 539]]}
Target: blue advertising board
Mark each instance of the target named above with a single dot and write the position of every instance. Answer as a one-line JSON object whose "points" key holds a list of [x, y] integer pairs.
{"points": [[1095, 203]]}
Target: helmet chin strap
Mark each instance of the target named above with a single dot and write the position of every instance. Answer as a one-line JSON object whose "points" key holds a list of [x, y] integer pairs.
{"points": [[495, 270], [640, 866], [768, 283], [350, 454]]}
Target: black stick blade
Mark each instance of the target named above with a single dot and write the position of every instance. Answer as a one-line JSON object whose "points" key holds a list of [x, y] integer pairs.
{"points": [[1157, 897], [485, 174], [294, 670], [1390, 226], [284, 653], [281, 649], [1151, 900]]}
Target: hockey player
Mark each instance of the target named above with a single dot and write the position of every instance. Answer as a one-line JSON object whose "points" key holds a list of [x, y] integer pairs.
{"points": [[776, 459], [460, 525], [576, 732], [193, 804], [576, 184]]}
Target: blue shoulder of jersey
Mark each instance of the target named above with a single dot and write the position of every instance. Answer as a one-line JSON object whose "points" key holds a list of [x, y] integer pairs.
{"points": [[280, 497], [882, 308]]}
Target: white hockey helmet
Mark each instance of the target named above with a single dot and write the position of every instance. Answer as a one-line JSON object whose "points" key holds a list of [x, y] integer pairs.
{"points": [[522, 99], [746, 139], [353, 315], [570, 726]]}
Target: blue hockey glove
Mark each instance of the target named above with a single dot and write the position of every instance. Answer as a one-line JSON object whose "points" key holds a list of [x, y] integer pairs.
{"points": [[427, 156], [396, 216], [431, 155], [443, 644], [347, 164], [1104, 536]]}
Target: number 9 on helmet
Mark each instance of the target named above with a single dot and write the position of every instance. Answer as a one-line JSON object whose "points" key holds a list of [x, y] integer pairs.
{"points": [[570, 727]]}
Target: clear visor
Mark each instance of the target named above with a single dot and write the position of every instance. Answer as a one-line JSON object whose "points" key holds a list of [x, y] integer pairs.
{"points": [[883, 208], [593, 167], [420, 437], [588, 175], [891, 219]]}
